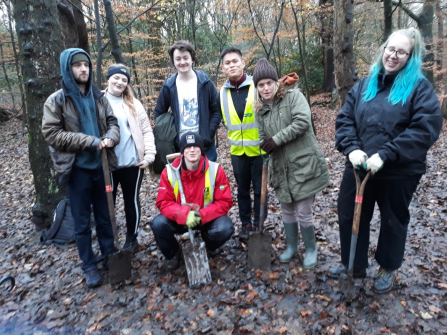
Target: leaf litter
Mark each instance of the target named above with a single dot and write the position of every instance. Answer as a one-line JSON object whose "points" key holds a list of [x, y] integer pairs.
{"points": [[51, 297]]}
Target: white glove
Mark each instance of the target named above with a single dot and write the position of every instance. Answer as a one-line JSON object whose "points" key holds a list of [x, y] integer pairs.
{"points": [[357, 157], [374, 163]]}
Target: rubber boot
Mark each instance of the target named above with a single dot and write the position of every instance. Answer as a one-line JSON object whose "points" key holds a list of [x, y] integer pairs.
{"points": [[308, 234], [291, 230]]}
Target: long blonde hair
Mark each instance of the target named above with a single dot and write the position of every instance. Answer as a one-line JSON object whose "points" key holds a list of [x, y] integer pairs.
{"points": [[128, 96]]}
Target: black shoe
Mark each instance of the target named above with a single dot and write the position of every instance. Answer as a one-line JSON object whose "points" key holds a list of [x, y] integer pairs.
{"points": [[131, 243], [245, 232], [384, 281], [213, 253], [92, 278], [335, 273], [174, 263]]}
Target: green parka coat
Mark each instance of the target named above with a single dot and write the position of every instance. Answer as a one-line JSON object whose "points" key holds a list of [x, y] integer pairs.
{"points": [[297, 168]]}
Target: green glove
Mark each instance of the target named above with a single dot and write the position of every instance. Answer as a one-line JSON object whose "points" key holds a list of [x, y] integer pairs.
{"points": [[193, 219]]}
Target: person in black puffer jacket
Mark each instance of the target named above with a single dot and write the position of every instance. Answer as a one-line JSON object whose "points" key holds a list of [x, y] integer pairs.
{"points": [[388, 123]]}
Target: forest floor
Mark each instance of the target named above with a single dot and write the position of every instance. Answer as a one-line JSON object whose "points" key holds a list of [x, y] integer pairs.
{"points": [[51, 297]]}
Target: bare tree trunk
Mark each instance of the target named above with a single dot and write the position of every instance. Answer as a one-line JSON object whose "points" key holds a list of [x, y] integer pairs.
{"points": [[388, 18], [327, 31], [81, 26], [345, 73], [7, 79], [98, 46], [36, 26], [440, 42], [16, 56], [116, 51]]}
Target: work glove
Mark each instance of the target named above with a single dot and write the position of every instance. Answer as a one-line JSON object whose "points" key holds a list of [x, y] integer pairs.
{"points": [[193, 219], [374, 163], [357, 158], [268, 145]]}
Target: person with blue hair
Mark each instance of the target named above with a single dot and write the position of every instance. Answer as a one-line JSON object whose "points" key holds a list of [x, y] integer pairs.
{"points": [[388, 123]]}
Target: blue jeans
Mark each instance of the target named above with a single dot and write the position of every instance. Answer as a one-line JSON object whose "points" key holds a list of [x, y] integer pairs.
{"points": [[85, 188], [211, 153]]}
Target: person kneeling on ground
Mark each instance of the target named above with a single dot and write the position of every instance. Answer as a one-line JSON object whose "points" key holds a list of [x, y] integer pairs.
{"points": [[206, 188]]}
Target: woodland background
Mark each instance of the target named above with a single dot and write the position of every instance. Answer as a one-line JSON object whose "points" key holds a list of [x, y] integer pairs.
{"points": [[330, 45]]}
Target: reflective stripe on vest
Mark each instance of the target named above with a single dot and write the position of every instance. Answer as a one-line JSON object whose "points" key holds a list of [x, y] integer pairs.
{"points": [[210, 183], [243, 136]]}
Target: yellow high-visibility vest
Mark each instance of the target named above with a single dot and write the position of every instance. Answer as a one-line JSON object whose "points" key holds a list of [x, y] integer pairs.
{"points": [[210, 183], [243, 136]]}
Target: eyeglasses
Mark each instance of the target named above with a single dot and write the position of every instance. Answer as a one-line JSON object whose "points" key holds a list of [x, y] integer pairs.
{"points": [[399, 52]]}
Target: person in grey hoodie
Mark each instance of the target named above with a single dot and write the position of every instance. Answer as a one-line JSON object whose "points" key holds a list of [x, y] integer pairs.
{"points": [[78, 122]]}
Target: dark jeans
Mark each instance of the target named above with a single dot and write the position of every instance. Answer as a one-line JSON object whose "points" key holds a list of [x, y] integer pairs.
{"points": [[393, 197], [211, 153], [247, 171], [130, 179], [214, 233], [86, 188]]}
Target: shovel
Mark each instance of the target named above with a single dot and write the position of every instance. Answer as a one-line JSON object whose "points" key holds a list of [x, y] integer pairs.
{"points": [[120, 263], [194, 253], [260, 243], [346, 280]]}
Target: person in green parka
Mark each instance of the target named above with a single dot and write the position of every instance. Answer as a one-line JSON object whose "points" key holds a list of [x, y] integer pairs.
{"points": [[297, 168]]}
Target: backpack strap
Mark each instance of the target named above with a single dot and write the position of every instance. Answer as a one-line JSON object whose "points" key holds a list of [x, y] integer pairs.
{"points": [[58, 216]]}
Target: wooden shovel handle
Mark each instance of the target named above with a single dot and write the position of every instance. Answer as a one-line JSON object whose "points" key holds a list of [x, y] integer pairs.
{"points": [[108, 182], [360, 188], [173, 156], [265, 172]]}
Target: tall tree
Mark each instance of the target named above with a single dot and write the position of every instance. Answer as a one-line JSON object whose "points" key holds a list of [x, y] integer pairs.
{"points": [[36, 24], [345, 73], [425, 24], [327, 31]]}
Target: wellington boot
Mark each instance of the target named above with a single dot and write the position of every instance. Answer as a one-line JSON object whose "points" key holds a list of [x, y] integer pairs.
{"points": [[308, 234], [291, 230]]}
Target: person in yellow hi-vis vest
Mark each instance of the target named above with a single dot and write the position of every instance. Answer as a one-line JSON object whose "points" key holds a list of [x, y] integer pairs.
{"points": [[208, 194], [236, 98]]}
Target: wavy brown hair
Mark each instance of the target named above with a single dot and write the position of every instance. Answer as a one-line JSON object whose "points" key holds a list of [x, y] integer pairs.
{"points": [[127, 93]]}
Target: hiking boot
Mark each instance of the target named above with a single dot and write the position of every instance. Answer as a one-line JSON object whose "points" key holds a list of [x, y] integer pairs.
{"points": [[335, 273], [131, 243], [310, 244], [245, 232], [92, 278], [384, 281], [291, 231], [173, 263]]}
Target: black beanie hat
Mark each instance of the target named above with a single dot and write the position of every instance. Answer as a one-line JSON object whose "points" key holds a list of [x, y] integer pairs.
{"points": [[264, 70], [114, 70], [190, 139]]}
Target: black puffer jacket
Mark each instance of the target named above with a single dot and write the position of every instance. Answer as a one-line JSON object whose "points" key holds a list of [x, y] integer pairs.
{"points": [[209, 110], [400, 134]]}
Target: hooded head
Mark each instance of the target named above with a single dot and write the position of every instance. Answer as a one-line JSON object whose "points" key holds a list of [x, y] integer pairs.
{"points": [[67, 59]]}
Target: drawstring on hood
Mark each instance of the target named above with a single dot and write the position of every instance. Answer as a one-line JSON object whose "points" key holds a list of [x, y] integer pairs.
{"points": [[85, 105]]}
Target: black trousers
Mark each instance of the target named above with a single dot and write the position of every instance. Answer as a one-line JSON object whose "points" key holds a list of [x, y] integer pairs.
{"points": [[393, 197], [130, 179], [247, 171], [214, 233]]}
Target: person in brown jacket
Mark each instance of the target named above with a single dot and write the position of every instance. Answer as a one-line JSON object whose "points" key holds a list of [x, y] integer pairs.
{"points": [[77, 123], [136, 149]]}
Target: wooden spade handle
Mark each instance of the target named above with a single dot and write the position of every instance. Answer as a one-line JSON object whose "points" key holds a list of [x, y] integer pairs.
{"points": [[360, 188], [108, 182], [173, 156]]}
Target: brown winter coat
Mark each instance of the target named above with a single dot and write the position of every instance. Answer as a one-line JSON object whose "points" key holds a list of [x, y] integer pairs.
{"points": [[60, 129]]}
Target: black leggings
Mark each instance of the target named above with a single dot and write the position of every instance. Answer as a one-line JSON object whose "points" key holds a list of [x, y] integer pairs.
{"points": [[130, 179]]}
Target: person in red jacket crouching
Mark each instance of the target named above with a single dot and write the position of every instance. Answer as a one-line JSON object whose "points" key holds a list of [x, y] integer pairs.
{"points": [[208, 194]]}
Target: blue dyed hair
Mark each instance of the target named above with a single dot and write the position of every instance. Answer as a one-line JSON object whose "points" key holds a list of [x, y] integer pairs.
{"points": [[407, 78]]}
